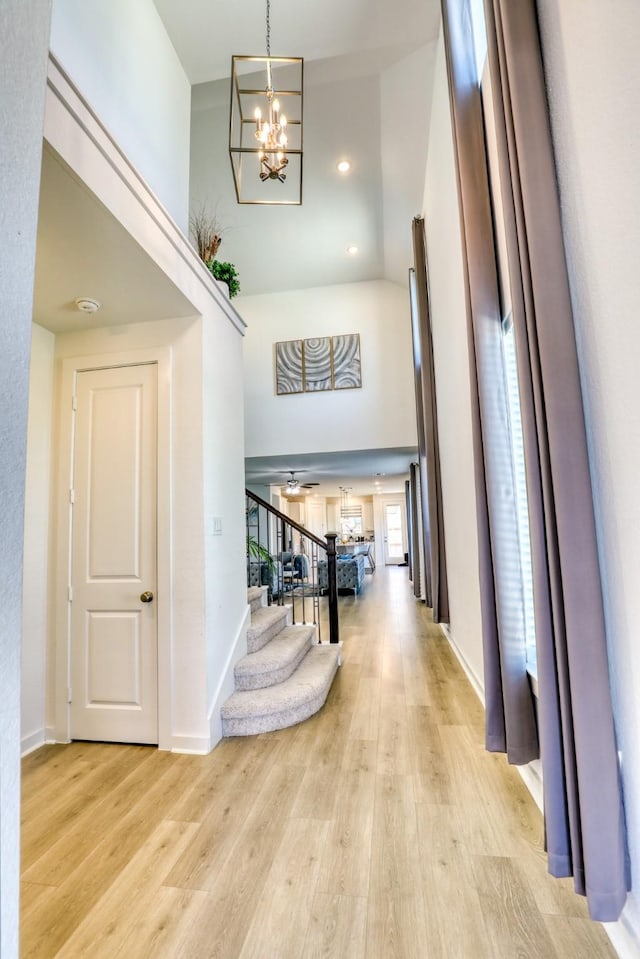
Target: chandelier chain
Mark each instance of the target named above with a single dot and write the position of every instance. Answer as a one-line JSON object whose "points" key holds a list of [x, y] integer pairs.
{"points": [[268, 28], [271, 133]]}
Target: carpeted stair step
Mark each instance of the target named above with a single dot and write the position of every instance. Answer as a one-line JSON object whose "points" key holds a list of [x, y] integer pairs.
{"points": [[276, 661], [247, 713], [266, 622], [257, 596]]}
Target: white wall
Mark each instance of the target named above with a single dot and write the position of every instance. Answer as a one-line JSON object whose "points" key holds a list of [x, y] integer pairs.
{"points": [[380, 415], [35, 608], [448, 316], [224, 510], [593, 77], [25, 29], [404, 119], [119, 55]]}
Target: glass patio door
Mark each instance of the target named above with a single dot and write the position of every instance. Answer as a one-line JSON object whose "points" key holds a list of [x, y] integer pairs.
{"points": [[393, 534]]}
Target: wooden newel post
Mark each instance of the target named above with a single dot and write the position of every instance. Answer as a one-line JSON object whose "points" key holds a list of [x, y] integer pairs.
{"points": [[334, 631]]}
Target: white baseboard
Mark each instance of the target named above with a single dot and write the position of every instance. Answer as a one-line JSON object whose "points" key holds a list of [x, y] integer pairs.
{"points": [[532, 772], [624, 936], [470, 674], [33, 741], [532, 777], [198, 745], [52, 735], [193, 745], [226, 685]]}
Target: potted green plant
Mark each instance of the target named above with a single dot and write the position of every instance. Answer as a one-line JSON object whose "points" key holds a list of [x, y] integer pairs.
{"points": [[227, 273], [258, 551]]}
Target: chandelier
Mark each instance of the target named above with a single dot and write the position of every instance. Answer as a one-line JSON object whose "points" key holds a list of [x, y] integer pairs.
{"points": [[265, 126]]}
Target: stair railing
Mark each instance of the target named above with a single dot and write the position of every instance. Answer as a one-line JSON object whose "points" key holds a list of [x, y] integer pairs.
{"points": [[295, 564]]}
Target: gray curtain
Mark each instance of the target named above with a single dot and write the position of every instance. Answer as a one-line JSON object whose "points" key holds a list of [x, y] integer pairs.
{"points": [[584, 819], [583, 805], [422, 439], [429, 453], [417, 560], [510, 717]]}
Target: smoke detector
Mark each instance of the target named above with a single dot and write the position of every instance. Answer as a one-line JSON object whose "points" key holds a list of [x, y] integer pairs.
{"points": [[87, 304]]}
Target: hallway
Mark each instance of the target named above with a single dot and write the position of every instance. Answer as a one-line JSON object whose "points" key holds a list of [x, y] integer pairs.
{"points": [[378, 829]]}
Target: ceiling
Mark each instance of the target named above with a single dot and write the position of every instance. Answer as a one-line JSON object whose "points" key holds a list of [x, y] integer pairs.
{"points": [[363, 472], [83, 251], [206, 33]]}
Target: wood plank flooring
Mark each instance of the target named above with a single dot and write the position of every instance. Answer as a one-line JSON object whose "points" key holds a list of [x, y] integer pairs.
{"points": [[378, 829]]}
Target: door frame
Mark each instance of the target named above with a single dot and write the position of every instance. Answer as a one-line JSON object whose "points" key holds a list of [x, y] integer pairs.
{"points": [[59, 730]]}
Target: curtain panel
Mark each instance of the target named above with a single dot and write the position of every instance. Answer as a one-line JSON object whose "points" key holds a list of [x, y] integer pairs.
{"points": [[583, 804], [428, 446], [416, 571], [584, 821], [510, 717], [422, 442]]}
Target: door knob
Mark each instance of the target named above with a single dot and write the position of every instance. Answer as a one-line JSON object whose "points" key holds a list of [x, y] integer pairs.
{"points": [[146, 597]]}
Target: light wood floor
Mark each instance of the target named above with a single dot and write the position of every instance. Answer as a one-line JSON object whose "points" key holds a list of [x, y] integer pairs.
{"points": [[379, 828]]}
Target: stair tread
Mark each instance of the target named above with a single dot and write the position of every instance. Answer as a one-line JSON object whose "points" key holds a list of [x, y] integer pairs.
{"points": [[266, 622], [266, 615], [315, 673], [278, 652]]}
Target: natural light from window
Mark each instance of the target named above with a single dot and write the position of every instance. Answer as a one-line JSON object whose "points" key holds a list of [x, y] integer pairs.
{"points": [[520, 489]]}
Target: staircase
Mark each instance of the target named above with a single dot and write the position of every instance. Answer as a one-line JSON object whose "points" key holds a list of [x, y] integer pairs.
{"points": [[285, 676]]}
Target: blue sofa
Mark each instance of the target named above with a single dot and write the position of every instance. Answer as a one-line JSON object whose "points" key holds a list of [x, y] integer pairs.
{"points": [[290, 570], [349, 573]]}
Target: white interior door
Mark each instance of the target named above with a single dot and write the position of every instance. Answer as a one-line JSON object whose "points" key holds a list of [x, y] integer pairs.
{"points": [[395, 525], [114, 673]]}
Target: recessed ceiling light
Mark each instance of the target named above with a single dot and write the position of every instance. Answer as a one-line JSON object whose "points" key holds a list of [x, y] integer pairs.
{"points": [[344, 166], [352, 250]]}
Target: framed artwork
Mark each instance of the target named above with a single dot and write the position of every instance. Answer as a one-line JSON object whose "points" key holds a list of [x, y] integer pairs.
{"points": [[289, 367], [347, 372], [318, 364]]}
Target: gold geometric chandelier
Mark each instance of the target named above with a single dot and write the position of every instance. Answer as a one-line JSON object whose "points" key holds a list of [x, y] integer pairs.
{"points": [[265, 127]]}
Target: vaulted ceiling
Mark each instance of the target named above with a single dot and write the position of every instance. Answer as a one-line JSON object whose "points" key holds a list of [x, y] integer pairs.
{"points": [[356, 106], [367, 97], [206, 33]]}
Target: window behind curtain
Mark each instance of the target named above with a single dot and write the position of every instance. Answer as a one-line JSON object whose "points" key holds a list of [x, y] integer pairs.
{"points": [[520, 488], [520, 587]]}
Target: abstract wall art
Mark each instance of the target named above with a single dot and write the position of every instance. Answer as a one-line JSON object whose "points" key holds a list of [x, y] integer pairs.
{"points": [[289, 367], [318, 364], [346, 362]]}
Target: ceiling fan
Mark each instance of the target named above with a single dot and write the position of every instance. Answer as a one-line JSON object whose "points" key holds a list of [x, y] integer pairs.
{"points": [[294, 485]]}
